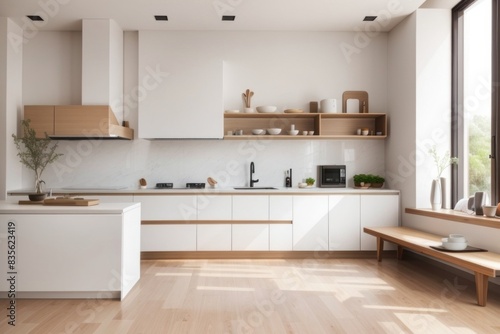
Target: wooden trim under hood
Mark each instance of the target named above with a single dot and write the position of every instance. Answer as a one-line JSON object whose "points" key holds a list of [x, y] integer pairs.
{"points": [[76, 122]]}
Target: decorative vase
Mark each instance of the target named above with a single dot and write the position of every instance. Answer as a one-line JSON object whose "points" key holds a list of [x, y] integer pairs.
{"points": [[436, 194], [444, 200]]}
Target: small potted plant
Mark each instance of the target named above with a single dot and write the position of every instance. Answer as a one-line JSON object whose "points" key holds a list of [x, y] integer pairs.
{"points": [[368, 180], [35, 153], [310, 181]]}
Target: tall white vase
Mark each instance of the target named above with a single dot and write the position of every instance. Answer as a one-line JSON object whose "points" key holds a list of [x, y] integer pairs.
{"points": [[436, 195]]}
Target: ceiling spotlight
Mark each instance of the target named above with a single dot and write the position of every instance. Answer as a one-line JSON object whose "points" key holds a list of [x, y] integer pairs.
{"points": [[228, 17], [34, 17], [369, 18], [161, 17]]}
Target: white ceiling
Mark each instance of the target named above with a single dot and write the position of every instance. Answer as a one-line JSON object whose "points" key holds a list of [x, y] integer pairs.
{"points": [[299, 15]]}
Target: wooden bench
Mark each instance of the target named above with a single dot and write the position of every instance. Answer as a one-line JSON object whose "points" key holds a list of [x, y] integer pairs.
{"points": [[483, 264]]}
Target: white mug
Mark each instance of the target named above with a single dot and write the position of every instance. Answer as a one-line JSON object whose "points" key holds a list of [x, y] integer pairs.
{"points": [[328, 105]]}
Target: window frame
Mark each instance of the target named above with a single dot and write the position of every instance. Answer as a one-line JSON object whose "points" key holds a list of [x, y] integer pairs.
{"points": [[457, 96]]}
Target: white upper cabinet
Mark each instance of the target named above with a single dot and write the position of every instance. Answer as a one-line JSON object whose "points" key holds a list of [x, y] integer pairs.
{"points": [[180, 87]]}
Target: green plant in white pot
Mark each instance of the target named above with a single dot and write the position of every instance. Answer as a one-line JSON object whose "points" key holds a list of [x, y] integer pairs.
{"points": [[35, 153]]}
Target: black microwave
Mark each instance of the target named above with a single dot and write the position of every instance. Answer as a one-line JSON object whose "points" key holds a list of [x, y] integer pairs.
{"points": [[332, 176]]}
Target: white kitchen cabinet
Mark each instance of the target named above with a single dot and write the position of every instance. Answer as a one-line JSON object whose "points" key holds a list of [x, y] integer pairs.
{"points": [[168, 207], [169, 237], [214, 207], [184, 90], [310, 222], [281, 235], [250, 237], [377, 210], [344, 222], [213, 237], [280, 207], [250, 207]]}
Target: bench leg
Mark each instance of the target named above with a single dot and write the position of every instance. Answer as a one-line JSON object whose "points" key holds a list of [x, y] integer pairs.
{"points": [[400, 252], [380, 248], [481, 289]]}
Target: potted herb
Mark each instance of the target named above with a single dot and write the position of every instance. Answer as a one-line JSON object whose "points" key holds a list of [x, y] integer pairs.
{"points": [[35, 153], [368, 180], [310, 181]]}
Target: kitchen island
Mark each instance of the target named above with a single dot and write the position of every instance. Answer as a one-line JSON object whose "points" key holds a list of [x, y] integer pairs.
{"points": [[68, 251]]}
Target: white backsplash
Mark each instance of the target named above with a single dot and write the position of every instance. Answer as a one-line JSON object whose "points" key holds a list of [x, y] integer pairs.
{"points": [[111, 164]]}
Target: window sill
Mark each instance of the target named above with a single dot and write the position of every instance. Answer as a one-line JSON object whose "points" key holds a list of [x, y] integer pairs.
{"points": [[456, 216]]}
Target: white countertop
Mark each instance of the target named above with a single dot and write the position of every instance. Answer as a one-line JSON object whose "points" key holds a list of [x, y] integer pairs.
{"points": [[212, 191], [101, 208]]}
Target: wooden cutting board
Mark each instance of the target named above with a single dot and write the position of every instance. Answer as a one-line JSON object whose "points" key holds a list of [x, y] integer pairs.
{"points": [[70, 201]]}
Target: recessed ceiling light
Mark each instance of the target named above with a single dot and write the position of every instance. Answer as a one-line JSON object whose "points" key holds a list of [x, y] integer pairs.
{"points": [[161, 17], [369, 18], [228, 17], [35, 17]]}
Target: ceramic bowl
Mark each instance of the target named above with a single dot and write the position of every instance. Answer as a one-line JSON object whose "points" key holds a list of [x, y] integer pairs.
{"points": [[266, 109], [274, 131], [37, 197], [456, 238], [302, 185], [489, 210], [293, 132], [232, 111], [455, 245], [258, 131]]}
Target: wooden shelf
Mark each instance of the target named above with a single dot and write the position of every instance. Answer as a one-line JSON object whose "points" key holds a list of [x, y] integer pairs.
{"points": [[325, 126]]}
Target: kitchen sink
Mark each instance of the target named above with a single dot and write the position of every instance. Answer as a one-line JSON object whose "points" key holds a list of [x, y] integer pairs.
{"points": [[255, 188]]}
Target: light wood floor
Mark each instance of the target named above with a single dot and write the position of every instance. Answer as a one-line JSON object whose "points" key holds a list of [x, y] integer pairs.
{"points": [[274, 296]]}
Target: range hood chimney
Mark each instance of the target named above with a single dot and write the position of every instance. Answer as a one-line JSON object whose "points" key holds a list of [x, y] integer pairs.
{"points": [[101, 114]]}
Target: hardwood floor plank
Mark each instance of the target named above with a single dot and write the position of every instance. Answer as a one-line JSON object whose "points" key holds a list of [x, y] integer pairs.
{"points": [[274, 296]]}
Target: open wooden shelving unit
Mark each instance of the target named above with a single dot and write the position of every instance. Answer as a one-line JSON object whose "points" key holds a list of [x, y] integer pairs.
{"points": [[325, 126]]}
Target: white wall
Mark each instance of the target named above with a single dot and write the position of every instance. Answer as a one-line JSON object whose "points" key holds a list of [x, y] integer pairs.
{"points": [[419, 102], [11, 51], [52, 68], [284, 69], [400, 148]]}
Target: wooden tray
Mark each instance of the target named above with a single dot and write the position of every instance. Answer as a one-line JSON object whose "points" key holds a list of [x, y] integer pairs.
{"points": [[28, 202], [70, 201], [467, 250]]}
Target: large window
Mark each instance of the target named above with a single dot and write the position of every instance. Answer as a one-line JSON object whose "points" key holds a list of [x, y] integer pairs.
{"points": [[474, 105]]}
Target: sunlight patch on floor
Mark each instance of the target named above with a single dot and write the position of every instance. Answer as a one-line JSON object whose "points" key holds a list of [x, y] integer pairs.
{"points": [[424, 323], [224, 288], [391, 327], [404, 308], [174, 274], [236, 275]]}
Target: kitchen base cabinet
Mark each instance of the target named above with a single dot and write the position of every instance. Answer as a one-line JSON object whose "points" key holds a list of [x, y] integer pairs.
{"points": [[280, 237], [310, 223], [177, 208], [214, 207], [213, 237], [169, 237], [71, 252], [250, 237], [280, 207], [344, 222], [377, 211], [251, 207]]}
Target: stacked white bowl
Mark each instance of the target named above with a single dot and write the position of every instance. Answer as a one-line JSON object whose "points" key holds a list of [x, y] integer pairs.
{"points": [[455, 242]]}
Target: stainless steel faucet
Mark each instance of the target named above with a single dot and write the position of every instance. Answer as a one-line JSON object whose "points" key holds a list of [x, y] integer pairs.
{"points": [[252, 170]]}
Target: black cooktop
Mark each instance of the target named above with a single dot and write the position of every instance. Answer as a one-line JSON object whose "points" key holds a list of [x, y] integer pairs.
{"points": [[189, 185]]}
